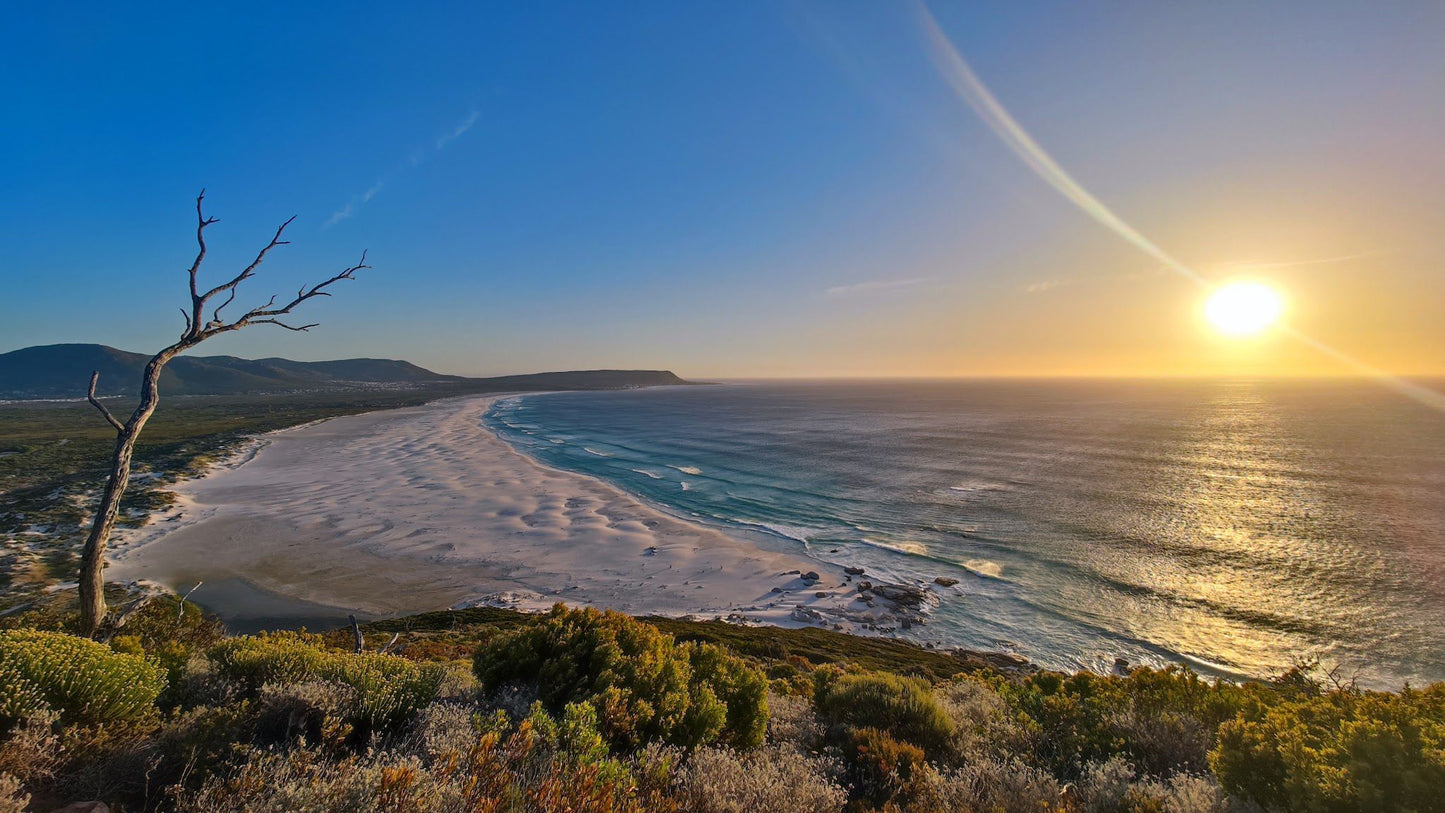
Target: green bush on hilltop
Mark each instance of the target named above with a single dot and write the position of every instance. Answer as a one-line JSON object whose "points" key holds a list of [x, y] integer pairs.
{"points": [[1342, 750], [388, 689], [82, 681], [644, 686], [270, 657], [903, 707], [1162, 721]]}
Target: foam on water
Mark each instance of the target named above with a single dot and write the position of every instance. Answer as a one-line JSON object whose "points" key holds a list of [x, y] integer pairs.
{"points": [[1232, 525]]}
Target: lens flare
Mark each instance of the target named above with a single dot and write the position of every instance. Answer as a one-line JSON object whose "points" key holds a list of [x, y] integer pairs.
{"points": [[1243, 308]]}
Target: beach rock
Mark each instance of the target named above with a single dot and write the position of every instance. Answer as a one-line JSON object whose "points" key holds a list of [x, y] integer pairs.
{"points": [[865, 586], [804, 614], [820, 594], [811, 576], [945, 581], [777, 589], [853, 571], [904, 595]]}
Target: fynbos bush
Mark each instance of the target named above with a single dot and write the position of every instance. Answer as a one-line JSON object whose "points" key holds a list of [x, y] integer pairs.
{"points": [[1344, 750], [388, 689], [643, 685], [81, 680], [774, 779], [903, 707], [270, 657]]}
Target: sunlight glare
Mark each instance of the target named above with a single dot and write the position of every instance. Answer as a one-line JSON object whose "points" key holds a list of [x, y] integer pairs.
{"points": [[1243, 308]]}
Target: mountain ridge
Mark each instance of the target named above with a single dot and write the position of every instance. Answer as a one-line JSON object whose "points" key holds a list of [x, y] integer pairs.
{"points": [[63, 371]]}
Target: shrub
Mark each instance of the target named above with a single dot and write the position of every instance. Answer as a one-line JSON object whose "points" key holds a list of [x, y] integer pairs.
{"points": [[543, 765], [741, 690], [792, 721], [442, 728], [30, 751], [774, 779], [1344, 750], [997, 786], [903, 707], [317, 712], [13, 798], [270, 657], [643, 685], [983, 725], [1067, 720], [1161, 721], [198, 743], [387, 689], [83, 681], [879, 766]]}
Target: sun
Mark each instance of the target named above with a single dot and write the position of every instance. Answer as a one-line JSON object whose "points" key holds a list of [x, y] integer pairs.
{"points": [[1243, 308]]}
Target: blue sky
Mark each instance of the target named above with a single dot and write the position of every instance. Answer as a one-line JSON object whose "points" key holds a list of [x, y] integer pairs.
{"points": [[730, 189]]}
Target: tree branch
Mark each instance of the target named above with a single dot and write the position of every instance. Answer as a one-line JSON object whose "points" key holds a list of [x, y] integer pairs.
{"points": [[216, 317], [265, 315], [95, 402], [250, 270], [201, 223], [301, 329]]}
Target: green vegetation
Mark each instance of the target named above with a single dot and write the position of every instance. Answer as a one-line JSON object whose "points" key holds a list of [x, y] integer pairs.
{"points": [[80, 680], [581, 710], [645, 688], [903, 707], [385, 690], [1337, 751]]}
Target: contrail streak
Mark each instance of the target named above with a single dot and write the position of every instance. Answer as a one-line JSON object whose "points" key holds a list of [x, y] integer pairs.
{"points": [[971, 90]]}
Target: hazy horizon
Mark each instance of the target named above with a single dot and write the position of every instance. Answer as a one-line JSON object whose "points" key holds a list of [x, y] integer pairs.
{"points": [[799, 190]]}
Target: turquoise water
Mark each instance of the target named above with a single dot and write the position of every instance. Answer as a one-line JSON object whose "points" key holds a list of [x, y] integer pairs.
{"points": [[1232, 525]]}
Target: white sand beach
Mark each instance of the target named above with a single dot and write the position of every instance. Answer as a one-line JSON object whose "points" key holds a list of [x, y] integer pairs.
{"points": [[421, 509]]}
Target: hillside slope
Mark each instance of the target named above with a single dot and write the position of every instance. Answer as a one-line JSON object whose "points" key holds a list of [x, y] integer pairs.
{"points": [[63, 371]]}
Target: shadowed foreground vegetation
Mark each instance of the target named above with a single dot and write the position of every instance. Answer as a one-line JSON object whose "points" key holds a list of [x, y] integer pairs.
{"points": [[579, 710]]}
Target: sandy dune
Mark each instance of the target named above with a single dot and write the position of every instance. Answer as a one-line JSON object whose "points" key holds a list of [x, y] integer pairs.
{"points": [[422, 509]]}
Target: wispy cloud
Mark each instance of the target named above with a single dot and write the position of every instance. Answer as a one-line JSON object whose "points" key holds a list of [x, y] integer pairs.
{"points": [[873, 286], [413, 160], [1268, 265], [355, 203], [449, 137], [1040, 287]]}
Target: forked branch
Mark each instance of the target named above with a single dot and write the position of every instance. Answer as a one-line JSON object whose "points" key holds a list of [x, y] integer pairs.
{"points": [[198, 328], [95, 402]]}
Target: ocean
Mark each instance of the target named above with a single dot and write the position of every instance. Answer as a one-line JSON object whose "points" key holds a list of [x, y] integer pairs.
{"points": [[1236, 526]]}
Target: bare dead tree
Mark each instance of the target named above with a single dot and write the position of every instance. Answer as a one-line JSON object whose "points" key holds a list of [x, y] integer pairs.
{"points": [[198, 329]]}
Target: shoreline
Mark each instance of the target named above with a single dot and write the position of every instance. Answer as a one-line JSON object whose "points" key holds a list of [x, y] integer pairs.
{"points": [[400, 511]]}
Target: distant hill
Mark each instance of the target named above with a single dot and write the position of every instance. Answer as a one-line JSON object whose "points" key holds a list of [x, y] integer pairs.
{"points": [[63, 371], [582, 380]]}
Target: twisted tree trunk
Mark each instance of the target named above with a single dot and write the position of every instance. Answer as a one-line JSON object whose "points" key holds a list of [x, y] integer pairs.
{"points": [[92, 564], [197, 330]]}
